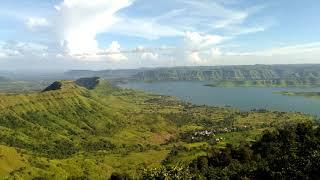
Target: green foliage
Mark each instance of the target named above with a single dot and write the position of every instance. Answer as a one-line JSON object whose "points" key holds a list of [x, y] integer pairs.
{"points": [[97, 145], [119, 176], [290, 153], [258, 75], [168, 173]]}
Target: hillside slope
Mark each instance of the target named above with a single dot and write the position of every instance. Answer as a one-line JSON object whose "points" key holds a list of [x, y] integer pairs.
{"points": [[281, 75], [92, 129]]}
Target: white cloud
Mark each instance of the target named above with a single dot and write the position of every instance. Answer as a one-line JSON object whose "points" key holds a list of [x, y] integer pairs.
{"points": [[201, 25], [291, 54], [234, 19], [111, 54], [114, 52], [202, 47], [235, 31], [36, 22], [145, 28], [22, 49], [150, 56], [81, 20], [205, 58], [217, 14], [195, 59], [3, 53], [197, 40], [285, 50], [216, 52]]}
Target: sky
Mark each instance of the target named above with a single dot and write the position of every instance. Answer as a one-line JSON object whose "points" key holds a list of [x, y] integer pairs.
{"points": [[51, 35]]}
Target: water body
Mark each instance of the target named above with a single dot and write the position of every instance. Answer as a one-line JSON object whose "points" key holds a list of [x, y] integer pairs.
{"points": [[243, 98]]}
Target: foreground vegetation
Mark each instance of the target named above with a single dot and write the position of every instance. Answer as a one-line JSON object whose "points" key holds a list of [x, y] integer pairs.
{"points": [[290, 153], [90, 129]]}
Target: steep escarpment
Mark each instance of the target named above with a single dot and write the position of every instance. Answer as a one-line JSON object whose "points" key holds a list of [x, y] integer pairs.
{"points": [[89, 83], [54, 86], [275, 74]]}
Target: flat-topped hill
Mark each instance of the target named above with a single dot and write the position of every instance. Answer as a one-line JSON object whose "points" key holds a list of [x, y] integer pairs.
{"points": [[89, 83], [54, 86]]}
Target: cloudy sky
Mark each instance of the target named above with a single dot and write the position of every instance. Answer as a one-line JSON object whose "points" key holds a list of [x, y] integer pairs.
{"points": [[111, 34]]}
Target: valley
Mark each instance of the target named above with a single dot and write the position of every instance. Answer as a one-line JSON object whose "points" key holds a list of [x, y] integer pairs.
{"points": [[91, 129], [242, 98], [159, 90]]}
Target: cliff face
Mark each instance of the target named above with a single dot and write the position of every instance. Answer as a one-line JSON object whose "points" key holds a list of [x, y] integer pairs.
{"points": [[306, 73]]}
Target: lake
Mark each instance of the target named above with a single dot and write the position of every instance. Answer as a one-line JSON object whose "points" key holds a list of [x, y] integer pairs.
{"points": [[243, 98]]}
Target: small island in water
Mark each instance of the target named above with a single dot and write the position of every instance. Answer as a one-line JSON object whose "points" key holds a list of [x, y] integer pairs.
{"points": [[262, 83], [305, 94]]}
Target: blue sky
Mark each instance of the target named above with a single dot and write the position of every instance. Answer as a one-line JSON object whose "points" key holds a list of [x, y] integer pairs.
{"points": [[104, 34]]}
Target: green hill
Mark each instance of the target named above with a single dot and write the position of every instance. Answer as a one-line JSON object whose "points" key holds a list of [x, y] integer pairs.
{"points": [[257, 75], [241, 75], [91, 129]]}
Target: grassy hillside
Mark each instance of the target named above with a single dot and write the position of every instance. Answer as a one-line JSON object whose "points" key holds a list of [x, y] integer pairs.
{"points": [[90, 129]]}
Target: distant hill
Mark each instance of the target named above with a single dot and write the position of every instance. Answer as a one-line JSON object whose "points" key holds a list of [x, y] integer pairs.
{"points": [[54, 86], [255, 75], [4, 79], [89, 83], [257, 72], [107, 74]]}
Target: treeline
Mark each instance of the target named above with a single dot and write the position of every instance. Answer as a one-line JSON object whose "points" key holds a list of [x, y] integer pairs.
{"points": [[290, 153]]}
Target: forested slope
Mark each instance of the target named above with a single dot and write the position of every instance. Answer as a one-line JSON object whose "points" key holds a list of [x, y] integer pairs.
{"points": [[264, 74]]}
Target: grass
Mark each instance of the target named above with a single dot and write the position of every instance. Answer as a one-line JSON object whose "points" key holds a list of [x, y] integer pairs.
{"points": [[10, 160]]}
